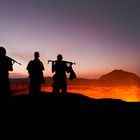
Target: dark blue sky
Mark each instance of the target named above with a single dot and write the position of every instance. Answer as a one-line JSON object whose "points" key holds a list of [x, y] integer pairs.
{"points": [[99, 35]]}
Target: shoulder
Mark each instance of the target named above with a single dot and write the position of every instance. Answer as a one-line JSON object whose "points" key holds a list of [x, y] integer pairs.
{"points": [[41, 62], [7, 59], [64, 63], [30, 62]]}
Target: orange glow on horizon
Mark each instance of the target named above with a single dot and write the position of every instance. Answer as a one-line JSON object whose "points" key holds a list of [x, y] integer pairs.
{"points": [[129, 94]]}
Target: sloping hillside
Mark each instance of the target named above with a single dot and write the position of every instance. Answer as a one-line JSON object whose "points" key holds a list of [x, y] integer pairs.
{"points": [[48, 102]]}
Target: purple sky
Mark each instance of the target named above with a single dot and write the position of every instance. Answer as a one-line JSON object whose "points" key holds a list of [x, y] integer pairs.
{"points": [[99, 35]]}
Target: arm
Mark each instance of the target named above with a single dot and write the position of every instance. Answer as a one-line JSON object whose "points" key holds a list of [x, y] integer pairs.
{"points": [[53, 67], [28, 68], [42, 66], [10, 66], [14, 61], [69, 67]]}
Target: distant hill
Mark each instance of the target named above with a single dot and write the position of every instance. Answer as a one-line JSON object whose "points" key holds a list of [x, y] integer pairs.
{"points": [[114, 78], [21, 81], [119, 77], [17, 75]]}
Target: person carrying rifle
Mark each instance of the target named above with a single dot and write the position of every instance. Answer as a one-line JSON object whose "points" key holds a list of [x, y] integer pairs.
{"points": [[35, 69], [59, 78], [5, 66]]}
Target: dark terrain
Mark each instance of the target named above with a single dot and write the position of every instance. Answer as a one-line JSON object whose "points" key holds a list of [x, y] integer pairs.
{"points": [[48, 102], [74, 116]]}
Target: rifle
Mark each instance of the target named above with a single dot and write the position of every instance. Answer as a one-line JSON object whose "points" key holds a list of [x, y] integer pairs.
{"points": [[68, 62], [14, 61]]}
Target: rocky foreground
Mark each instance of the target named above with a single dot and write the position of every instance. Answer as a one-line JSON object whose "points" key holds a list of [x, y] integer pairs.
{"points": [[74, 116], [48, 102]]}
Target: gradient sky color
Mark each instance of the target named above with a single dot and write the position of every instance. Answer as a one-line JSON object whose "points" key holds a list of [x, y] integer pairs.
{"points": [[99, 35]]}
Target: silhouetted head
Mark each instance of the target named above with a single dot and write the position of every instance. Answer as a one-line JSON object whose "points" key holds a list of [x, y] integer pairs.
{"points": [[36, 55], [2, 52], [59, 57]]}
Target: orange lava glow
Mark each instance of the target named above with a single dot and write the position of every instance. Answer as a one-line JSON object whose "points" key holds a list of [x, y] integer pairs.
{"points": [[129, 94]]}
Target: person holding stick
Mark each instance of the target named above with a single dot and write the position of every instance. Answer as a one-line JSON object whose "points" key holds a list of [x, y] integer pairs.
{"points": [[60, 68], [5, 66]]}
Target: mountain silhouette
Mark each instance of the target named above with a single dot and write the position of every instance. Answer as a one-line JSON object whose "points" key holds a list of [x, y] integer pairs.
{"points": [[119, 78], [114, 78]]}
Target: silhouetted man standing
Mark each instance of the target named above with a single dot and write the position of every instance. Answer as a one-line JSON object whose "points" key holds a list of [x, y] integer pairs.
{"points": [[59, 78], [5, 67], [35, 69]]}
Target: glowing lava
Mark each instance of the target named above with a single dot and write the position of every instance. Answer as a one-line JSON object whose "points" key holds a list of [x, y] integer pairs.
{"points": [[130, 94]]}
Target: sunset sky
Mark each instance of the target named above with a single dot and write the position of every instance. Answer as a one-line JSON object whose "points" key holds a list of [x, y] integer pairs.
{"points": [[99, 35]]}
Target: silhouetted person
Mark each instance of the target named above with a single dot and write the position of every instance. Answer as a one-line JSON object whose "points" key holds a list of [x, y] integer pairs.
{"points": [[5, 66], [35, 69], [59, 78]]}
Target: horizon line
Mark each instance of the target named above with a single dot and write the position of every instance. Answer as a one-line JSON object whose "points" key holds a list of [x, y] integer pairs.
{"points": [[22, 76]]}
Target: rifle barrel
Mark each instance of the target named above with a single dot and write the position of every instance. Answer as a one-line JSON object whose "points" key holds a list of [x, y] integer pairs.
{"points": [[14, 60], [51, 61], [63, 61], [70, 62]]}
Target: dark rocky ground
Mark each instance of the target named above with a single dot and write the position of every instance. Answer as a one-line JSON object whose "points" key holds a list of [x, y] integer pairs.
{"points": [[74, 116], [48, 102]]}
